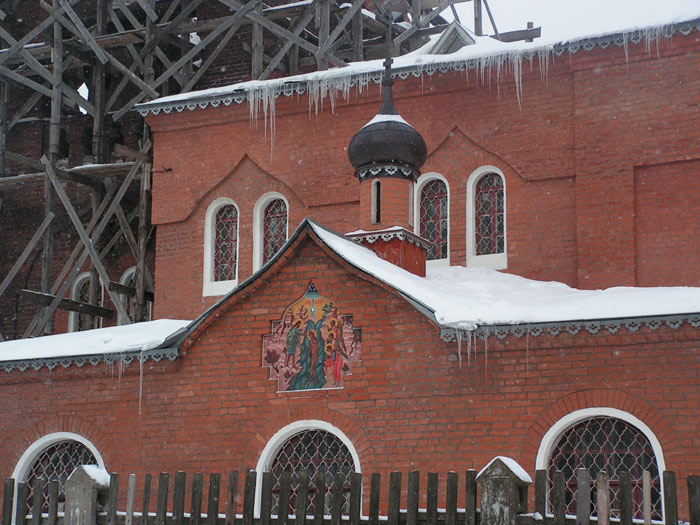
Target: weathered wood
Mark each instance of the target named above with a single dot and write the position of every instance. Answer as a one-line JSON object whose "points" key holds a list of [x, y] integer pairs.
{"points": [[520, 34], [583, 497], [213, 499], [375, 485], [112, 499], [35, 164], [541, 492], [22, 493], [298, 26], [319, 498], [4, 94], [196, 499], [162, 502], [83, 32], [624, 496], [162, 32], [559, 498], [328, 40], [8, 501], [179, 498], [249, 497], [646, 497], [394, 498], [129, 291], [268, 481], [694, 499], [231, 497], [130, 500], [358, 37], [451, 499], [28, 249], [470, 510], [423, 22], [488, 12], [283, 498], [302, 497], [412, 496], [124, 151], [26, 108], [670, 500], [53, 503], [338, 497], [256, 44], [431, 507], [146, 500], [355, 497], [603, 498], [37, 501]]}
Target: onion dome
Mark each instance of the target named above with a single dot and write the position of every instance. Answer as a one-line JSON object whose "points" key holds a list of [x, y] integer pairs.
{"points": [[387, 146]]}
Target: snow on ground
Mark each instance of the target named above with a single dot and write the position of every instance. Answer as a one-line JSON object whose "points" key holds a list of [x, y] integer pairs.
{"points": [[116, 339], [466, 298]]}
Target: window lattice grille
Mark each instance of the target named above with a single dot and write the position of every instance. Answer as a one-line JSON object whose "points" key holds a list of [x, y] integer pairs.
{"points": [[313, 451], [130, 301], [274, 228], [433, 218], [610, 445], [56, 463], [226, 243], [82, 294], [489, 217]]}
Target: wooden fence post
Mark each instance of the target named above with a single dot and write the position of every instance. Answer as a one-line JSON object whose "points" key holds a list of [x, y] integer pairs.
{"points": [[694, 499], [503, 491], [7, 501], [670, 502]]}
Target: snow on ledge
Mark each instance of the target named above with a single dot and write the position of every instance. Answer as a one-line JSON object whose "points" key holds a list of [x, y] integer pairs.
{"points": [[99, 475], [466, 298], [135, 337], [512, 465]]}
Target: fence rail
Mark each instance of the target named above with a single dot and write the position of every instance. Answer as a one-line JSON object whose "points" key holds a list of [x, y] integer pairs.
{"points": [[319, 500]]}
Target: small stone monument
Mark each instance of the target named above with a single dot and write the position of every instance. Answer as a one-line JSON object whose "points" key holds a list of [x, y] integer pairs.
{"points": [[503, 483], [86, 487]]}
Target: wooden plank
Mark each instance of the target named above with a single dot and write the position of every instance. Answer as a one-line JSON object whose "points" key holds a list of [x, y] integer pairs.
{"points": [[327, 42], [22, 493], [26, 108], [358, 37], [179, 498], [130, 499], [302, 497], [451, 499], [470, 510], [35, 164], [412, 495], [8, 501], [319, 498], [323, 31], [162, 501], [603, 498], [283, 498], [249, 497], [646, 497], [488, 12], [694, 499], [196, 500], [28, 249], [375, 485], [424, 21], [520, 34], [338, 497], [4, 95], [268, 482], [112, 499], [624, 496], [162, 31], [37, 502], [124, 151], [583, 497], [559, 499], [541, 492], [24, 81], [670, 500], [213, 498], [355, 498], [129, 291], [77, 224], [231, 498], [53, 503], [83, 32], [394, 498], [432, 514], [146, 501]]}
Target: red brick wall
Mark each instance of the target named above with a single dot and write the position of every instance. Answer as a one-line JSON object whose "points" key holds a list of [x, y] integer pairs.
{"points": [[407, 405]]}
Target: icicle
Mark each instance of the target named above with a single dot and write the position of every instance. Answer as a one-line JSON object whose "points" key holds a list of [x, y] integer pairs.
{"points": [[486, 351], [469, 348], [140, 380], [527, 351], [625, 38], [459, 348]]}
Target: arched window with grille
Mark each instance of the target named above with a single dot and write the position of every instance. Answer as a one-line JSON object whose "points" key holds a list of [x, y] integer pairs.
{"points": [[80, 291], [271, 223], [221, 247], [486, 218], [433, 217], [610, 441], [128, 278], [315, 447], [54, 458]]}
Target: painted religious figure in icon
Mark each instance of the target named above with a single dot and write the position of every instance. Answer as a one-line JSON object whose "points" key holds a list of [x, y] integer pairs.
{"points": [[313, 346]]}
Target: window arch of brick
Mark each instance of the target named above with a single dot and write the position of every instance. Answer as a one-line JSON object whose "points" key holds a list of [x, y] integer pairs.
{"points": [[270, 227], [80, 291], [55, 456], [221, 247], [306, 434], [432, 216], [594, 435], [486, 219]]}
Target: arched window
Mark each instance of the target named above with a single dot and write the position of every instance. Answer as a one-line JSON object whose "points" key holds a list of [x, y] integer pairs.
{"points": [[274, 228], [610, 441], [220, 247], [129, 279], [486, 218], [433, 217], [313, 446], [54, 458], [80, 291]]}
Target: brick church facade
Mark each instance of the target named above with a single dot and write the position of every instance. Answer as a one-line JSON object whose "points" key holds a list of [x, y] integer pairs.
{"points": [[595, 164]]}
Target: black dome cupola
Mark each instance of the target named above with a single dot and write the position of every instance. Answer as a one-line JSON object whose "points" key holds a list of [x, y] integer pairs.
{"points": [[387, 146]]}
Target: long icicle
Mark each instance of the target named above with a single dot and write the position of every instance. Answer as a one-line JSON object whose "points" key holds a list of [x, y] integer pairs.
{"points": [[459, 348]]}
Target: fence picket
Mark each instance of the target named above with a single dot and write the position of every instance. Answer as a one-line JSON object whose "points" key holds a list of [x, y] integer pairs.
{"points": [[283, 508], [22, 491], [694, 499], [541, 492], [355, 498], [624, 494], [374, 499], [266, 498], [249, 497], [583, 497], [394, 498], [8, 501], [670, 501], [37, 501], [470, 511], [337, 500], [432, 498], [412, 498], [179, 497], [603, 498], [130, 497], [53, 502], [559, 499], [112, 498], [146, 502], [213, 499], [302, 497], [646, 497], [451, 499], [319, 498], [162, 501], [231, 497]]}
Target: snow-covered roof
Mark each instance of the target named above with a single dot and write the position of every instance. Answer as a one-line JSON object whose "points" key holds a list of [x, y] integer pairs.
{"points": [[512, 465], [566, 25], [467, 298], [90, 346]]}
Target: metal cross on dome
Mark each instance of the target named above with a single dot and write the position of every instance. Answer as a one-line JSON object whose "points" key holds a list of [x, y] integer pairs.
{"points": [[385, 18]]}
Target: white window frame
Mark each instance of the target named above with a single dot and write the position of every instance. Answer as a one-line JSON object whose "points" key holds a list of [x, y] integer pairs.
{"points": [[419, 185], [495, 261], [73, 316], [210, 286], [554, 434], [149, 305], [258, 212], [273, 446]]}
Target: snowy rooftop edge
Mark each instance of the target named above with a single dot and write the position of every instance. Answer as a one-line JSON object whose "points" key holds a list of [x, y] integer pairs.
{"points": [[485, 48], [132, 338], [468, 298]]}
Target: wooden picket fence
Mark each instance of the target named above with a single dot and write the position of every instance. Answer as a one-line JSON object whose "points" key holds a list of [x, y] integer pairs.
{"points": [[341, 502]]}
